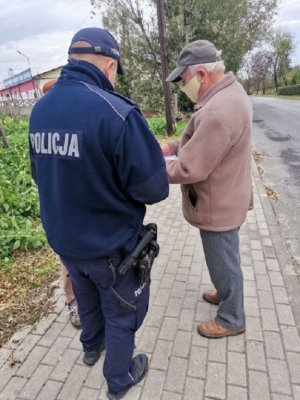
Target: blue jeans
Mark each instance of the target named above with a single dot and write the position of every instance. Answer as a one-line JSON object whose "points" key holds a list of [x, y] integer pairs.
{"points": [[222, 256], [103, 318]]}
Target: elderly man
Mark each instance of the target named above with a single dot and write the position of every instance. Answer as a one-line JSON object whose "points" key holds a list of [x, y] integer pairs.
{"points": [[213, 166], [96, 165]]}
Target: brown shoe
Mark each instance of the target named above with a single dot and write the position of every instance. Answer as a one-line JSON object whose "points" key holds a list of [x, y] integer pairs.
{"points": [[211, 296], [212, 330]]}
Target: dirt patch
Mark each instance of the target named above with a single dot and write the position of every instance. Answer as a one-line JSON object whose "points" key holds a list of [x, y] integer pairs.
{"points": [[26, 289]]}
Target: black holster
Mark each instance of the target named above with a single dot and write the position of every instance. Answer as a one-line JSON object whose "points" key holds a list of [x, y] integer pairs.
{"points": [[142, 257]]}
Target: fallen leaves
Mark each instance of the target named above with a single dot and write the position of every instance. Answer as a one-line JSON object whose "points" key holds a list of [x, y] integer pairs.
{"points": [[258, 157], [271, 194]]}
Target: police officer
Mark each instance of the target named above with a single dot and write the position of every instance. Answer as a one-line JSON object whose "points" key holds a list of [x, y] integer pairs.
{"points": [[96, 165]]}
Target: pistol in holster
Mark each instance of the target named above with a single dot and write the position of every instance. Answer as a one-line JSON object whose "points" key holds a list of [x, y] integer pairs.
{"points": [[142, 257]]}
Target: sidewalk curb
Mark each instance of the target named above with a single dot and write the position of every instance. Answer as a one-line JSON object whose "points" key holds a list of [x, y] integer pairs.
{"points": [[286, 265]]}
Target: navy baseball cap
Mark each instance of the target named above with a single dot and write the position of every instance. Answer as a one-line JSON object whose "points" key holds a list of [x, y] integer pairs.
{"points": [[101, 41]]}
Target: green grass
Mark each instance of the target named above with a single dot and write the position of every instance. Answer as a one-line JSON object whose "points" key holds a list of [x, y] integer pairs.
{"points": [[28, 267], [278, 96], [288, 97], [158, 126]]}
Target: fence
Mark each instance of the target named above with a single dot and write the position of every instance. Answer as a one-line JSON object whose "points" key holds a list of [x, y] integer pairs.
{"points": [[17, 108]]}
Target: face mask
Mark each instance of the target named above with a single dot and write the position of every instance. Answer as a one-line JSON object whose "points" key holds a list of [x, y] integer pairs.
{"points": [[191, 89]]}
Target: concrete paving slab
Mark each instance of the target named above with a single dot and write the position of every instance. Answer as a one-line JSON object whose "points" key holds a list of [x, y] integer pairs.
{"points": [[45, 361]]}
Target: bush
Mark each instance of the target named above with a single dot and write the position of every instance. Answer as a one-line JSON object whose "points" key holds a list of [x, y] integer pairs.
{"points": [[296, 77], [158, 125], [289, 90], [20, 226]]}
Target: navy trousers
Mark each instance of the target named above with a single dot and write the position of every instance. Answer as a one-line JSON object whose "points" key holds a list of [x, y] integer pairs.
{"points": [[222, 256], [104, 319]]}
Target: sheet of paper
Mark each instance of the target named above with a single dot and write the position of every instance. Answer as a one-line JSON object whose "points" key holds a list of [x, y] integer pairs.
{"points": [[173, 157]]}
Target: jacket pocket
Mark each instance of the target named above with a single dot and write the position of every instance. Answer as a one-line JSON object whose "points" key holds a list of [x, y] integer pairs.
{"points": [[192, 195]]}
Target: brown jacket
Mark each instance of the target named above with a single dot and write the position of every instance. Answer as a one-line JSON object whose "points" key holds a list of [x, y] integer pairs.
{"points": [[214, 159]]}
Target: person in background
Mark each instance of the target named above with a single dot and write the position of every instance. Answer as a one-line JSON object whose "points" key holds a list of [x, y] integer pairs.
{"points": [[71, 302], [49, 85], [213, 166], [97, 165]]}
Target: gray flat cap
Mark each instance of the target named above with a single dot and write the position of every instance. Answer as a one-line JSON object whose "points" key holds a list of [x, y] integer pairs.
{"points": [[198, 52]]}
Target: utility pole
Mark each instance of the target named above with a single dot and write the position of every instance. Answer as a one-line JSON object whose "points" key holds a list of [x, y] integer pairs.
{"points": [[165, 70], [185, 24]]}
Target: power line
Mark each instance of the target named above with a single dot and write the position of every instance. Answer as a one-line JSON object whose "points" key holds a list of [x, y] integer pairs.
{"points": [[80, 25]]}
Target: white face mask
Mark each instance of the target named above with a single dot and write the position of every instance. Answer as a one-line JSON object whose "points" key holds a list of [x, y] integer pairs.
{"points": [[191, 89]]}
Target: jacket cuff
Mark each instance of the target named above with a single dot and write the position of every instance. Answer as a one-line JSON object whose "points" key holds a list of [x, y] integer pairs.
{"points": [[173, 147]]}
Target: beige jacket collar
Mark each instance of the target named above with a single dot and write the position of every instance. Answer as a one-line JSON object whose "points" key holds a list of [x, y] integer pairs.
{"points": [[228, 79]]}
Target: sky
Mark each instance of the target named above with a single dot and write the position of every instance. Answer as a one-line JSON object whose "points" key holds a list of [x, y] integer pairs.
{"points": [[289, 18], [42, 31]]}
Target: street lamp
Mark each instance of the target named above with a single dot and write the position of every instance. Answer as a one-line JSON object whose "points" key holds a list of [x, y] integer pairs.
{"points": [[18, 51], [34, 88]]}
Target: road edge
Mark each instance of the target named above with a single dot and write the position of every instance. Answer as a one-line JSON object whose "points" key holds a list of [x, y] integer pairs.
{"points": [[287, 267]]}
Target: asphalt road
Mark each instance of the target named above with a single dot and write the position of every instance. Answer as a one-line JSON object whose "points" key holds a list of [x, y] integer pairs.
{"points": [[276, 135]]}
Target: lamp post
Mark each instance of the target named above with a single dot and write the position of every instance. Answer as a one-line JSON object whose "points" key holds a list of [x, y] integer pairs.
{"points": [[34, 88], [18, 51]]}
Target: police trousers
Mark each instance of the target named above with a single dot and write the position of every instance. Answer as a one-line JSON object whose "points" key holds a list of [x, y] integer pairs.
{"points": [[104, 319], [222, 257]]}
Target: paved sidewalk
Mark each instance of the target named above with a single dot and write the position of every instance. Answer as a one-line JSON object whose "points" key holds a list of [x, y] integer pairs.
{"points": [[44, 362]]}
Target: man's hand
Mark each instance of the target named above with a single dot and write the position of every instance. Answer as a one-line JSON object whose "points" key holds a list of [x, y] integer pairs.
{"points": [[165, 149]]}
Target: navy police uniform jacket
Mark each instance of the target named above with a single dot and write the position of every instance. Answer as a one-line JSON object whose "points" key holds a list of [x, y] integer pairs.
{"points": [[96, 165]]}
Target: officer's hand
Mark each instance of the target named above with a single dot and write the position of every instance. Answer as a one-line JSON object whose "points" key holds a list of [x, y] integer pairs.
{"points": [[165, 149]]}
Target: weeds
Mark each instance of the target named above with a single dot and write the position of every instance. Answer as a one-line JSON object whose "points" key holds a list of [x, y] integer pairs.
{"points": [[20, 226], [158, 126]]}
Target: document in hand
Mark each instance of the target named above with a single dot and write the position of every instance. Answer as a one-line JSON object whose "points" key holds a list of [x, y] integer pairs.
{"points": [[173, 157]]}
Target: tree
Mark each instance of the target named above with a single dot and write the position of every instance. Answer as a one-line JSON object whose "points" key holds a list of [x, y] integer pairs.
{"points": [[260, 63], [165, 67], [245, 73], [282, 45], [140, 50], [236, 27]]}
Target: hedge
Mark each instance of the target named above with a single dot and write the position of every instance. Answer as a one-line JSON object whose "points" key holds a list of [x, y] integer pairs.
{"points": [[289, 90]]}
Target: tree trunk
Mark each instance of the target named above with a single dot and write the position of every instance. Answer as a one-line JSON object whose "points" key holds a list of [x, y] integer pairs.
{"points": [[3, 137], [275, 75], [164, 62]]}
